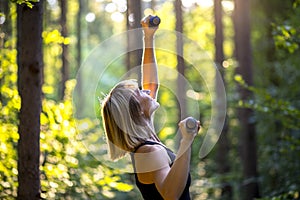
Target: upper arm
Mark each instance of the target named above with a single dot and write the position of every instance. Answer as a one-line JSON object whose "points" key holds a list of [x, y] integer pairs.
{"points": [[153, 166]]}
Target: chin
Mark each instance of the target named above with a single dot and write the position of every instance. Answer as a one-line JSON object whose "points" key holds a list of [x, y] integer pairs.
{"points": [[154, 107]]}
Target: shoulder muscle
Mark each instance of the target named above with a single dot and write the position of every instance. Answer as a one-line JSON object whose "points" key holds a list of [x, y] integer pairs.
{"points": [[150, 158]]}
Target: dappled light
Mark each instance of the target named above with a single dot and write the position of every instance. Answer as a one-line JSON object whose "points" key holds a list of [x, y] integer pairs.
{"points": [[240, 80]]}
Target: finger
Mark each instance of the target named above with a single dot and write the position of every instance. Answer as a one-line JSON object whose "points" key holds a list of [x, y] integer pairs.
{"points": [[145, 19], [181, 123], [143, 23]]}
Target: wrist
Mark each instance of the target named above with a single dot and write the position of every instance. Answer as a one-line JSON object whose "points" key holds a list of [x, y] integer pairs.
{"points": [[149, 42], [186, 142], [149, 37], [185, 148]]}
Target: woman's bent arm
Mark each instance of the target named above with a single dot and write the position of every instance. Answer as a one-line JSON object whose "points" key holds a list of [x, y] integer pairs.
{"points": [[171, 182], [153, 167]]}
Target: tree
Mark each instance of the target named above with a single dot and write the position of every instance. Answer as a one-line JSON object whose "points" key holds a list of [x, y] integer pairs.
{"points": [[30, 73], [223, 143], [181, 87], [79, 51], [65, 49], [246, 115], [153, 4], [78, 33], [134, 53], [181, 82], [276, 96]]}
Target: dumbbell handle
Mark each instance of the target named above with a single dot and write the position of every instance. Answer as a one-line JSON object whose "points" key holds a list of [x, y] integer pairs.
{"points": [[154, 21], [191, 125]]}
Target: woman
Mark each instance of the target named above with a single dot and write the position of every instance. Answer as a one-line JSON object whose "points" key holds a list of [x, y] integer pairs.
{"points": [[128, 121]]}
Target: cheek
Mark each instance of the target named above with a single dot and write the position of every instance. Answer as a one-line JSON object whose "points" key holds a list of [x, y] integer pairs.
{"points": [[145, 105]]}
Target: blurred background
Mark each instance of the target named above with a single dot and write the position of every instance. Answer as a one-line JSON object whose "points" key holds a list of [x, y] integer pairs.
{"points": [[254, 45]]}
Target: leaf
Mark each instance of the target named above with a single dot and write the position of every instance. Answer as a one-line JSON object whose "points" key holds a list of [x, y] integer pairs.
{"points": [[123, 187]]}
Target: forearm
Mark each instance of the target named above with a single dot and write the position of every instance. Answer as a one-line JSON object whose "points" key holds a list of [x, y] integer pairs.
{"points": [[149, 66], [175, 180]]}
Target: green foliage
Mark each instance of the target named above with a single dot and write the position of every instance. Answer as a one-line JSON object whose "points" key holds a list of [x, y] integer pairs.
{"points": [[278, 125], [55, 37], [52, 53], [275, 99], [9, 108], [29, 3], [286, 37], [68, 170], [286, 32], [296, 3], [283, 111], [291, 195]]}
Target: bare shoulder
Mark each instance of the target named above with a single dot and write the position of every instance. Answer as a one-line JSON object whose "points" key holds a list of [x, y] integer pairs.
{"points": [[151, 161], [149, 148], [150, 158]]}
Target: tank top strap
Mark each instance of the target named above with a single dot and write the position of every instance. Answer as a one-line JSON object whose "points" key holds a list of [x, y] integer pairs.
{"points": [[146, 143]]}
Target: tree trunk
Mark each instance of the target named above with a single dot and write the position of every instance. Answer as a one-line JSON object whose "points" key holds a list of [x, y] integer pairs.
{"points": [[80, 103], [248, 135], [134, 39], [65, 49], [181, 84], [153, 4], [78, 45], [30, 70], [223, 143]]}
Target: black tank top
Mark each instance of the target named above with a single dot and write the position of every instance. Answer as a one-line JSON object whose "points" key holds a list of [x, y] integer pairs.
{"points": [[149, 191]]}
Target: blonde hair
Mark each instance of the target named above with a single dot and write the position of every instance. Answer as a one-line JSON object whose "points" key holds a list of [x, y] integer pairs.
{"points": [[122, 121]]}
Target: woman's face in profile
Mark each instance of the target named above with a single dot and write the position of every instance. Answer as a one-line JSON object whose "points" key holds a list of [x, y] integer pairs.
{"points": [[147, 103]]}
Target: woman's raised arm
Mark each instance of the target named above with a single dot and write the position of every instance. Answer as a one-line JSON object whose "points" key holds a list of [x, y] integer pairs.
{"points": [[149, 65]]}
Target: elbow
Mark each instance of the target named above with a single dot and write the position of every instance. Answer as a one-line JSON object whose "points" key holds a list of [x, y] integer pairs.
{"points": [[170, 197]]}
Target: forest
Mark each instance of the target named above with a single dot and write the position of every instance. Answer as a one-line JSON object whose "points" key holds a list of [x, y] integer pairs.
{"points": [[232, 64]]}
